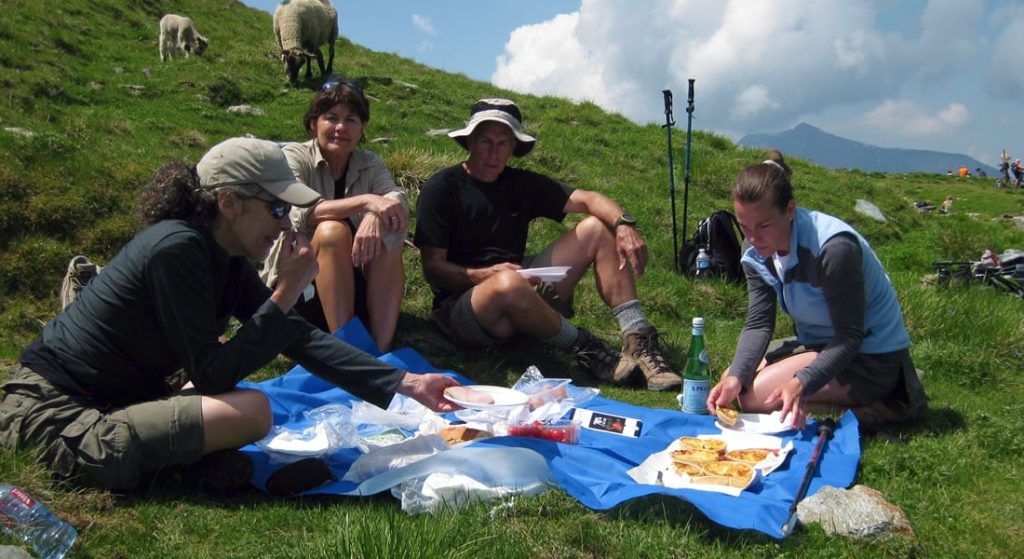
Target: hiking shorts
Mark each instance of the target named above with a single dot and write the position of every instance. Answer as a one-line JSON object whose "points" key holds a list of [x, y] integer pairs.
{"points": [[454, 316], [871, 377], [102, 448]]}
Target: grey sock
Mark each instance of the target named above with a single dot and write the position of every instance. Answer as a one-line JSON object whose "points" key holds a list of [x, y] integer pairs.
{"points": [[630, 315], [565, 337]]}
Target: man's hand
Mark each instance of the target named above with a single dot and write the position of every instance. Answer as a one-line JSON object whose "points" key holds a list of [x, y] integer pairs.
{"points": [[791, 395], [428, 389], [724, 393], [631, 248], [480, 275]]}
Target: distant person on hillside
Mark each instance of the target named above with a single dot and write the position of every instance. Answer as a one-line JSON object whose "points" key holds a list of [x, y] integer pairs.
{"points": [[946, 206], [851, 348], [980, 173], [1018, 173], [471, 227], [963, 171], [1004, 169], [132, 376], [359, 228]]}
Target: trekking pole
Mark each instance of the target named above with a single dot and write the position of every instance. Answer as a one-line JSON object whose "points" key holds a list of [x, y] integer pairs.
{"points": [[825, 428], [669, 122], [686, 176]]}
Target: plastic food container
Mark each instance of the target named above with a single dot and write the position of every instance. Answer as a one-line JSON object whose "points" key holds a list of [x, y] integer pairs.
{"points": [[546, 391], [562, 431]]}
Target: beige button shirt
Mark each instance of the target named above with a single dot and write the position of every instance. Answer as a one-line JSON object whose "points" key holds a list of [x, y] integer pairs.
{"points": [[366, 173]]}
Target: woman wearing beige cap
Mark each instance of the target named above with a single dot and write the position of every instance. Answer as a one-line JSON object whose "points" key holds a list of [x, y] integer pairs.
{"points": [[132, 376]]}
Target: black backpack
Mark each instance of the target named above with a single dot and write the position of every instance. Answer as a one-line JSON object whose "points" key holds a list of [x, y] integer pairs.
{"points": [[720, 236]]}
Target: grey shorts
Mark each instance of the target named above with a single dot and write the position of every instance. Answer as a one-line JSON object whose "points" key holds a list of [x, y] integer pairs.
{"points": [[104, 448], [454, 316], [871, 377]]}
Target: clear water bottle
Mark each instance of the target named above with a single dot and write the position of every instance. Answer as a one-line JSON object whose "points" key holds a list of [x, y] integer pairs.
{"points": [[697, 375], [28, 520], [703, 262]]}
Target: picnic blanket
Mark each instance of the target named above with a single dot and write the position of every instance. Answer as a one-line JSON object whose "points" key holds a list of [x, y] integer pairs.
{"points": [[593, 471]]}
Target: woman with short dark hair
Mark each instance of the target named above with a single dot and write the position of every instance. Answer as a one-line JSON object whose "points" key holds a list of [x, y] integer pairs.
{"points": [[359, 228]]}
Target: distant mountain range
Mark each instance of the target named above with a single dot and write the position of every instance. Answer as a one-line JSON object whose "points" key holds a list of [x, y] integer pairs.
{"points": [[807, 142]]}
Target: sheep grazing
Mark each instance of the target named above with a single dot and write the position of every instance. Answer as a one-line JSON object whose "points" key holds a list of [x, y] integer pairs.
{"points": [[178, 35], [301, 26]]}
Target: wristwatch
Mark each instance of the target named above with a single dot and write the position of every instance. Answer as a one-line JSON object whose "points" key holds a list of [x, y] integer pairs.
{"points": [[624, 219]]}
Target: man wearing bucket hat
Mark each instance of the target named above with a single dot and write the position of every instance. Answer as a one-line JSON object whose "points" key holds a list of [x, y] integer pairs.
{"points": [[102, 392], [472, 225]]}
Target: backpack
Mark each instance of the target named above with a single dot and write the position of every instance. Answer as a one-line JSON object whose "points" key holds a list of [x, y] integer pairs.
{"points": [[719, 235]]}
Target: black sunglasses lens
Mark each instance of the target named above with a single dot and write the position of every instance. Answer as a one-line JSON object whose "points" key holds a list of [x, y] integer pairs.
{"points": [[279, 209]]}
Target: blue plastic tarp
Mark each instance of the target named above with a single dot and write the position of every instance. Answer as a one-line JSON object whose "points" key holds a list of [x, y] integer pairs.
{"points": [[593, 471]]}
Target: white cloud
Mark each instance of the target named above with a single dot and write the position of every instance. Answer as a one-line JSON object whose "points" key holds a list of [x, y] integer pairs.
{"points": [[424, 24], [907, 119], [757, 65]]}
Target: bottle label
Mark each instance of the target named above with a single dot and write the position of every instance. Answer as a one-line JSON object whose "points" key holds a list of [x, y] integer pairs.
{"points": [[695, 395]]}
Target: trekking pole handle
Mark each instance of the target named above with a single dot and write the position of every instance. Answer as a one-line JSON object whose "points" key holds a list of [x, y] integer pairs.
{"points": [[667, 94], [689, 97]]}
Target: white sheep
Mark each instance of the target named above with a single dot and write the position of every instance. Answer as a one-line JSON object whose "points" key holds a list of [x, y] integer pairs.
{"points": [[178, 35], [301, 26]]}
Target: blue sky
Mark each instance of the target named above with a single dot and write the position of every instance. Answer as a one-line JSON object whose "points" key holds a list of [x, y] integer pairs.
{"points": [[945, 75]]}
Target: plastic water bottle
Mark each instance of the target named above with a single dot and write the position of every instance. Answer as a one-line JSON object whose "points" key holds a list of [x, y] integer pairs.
{"points": [[26, 519], [703, 262], [697, 375]]}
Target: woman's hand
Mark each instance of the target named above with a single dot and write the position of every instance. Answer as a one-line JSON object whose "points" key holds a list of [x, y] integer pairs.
{"points": [[393, 216], [428, 389], [296, 268], [791, 394], [724, 393], [369, 240]]}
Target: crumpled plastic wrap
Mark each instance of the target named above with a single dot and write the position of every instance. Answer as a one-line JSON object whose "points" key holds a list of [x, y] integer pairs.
{"points": [[330, 429]]}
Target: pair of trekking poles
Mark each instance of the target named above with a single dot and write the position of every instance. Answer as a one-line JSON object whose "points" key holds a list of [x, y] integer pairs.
{"points": [[669, 123]]}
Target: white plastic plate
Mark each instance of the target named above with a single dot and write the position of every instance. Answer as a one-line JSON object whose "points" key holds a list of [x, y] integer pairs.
{"points": [[551, 273], [503, 398]]}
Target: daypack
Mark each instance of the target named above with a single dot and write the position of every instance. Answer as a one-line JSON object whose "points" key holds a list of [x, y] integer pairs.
{"points": [[719, 234]]}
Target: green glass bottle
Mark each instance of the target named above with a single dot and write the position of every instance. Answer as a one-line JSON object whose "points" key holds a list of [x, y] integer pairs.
{"points": [[697, 376]]}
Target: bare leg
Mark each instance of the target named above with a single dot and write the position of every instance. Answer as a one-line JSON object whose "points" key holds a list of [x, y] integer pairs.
{"points": [[770, 377], [332, 243], [592, 243], [385, 284], [506, 304], [235, 419]]}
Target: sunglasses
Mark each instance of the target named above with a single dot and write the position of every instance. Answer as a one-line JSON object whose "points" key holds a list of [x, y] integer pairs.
{"points": [[277, 208], [334, 83]]}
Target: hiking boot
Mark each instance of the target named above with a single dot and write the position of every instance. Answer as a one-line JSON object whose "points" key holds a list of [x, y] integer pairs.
{"points": [[80, 272], [547, 291], [641, 345], [879, 413], [601, 360], [224, 472]]}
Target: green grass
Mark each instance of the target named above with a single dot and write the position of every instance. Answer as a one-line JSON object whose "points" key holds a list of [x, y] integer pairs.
{"points": [[84, 76]]}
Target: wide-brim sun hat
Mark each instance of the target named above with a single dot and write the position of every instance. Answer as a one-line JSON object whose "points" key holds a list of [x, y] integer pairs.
{"points": [[252, 161], [496, 110]]}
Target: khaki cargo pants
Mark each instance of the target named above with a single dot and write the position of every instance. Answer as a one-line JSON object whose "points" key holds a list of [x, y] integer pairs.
{"points": [[103, 448]]}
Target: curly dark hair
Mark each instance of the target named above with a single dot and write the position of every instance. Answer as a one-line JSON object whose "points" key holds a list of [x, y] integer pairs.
{"points": [[174, 193], [335, 92]]}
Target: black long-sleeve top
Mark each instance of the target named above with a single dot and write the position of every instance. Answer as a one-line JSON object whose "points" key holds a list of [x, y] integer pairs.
{"points": [[160, 307]]}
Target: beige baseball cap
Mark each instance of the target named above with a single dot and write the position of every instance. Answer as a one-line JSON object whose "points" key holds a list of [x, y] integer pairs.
{"points": [[253, 161]]}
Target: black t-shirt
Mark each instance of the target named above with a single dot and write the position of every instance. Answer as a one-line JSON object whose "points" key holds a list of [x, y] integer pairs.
{"points": [[482, 224], [159, 307]]}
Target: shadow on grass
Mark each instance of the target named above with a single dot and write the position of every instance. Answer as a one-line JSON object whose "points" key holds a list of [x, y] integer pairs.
{"points": [[678, 513], [936, 421]]}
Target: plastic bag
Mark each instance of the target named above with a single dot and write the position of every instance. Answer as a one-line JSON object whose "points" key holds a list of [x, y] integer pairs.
{"points": [[392, 457], [330, 429], [404, 413], [550, 399]]}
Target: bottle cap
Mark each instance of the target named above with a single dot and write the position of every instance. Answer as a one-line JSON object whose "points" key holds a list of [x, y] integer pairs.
{"points": [[698, 322]]}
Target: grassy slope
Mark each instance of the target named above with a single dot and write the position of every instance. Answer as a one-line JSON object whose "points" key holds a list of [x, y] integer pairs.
{"points": [[70, 72]]}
